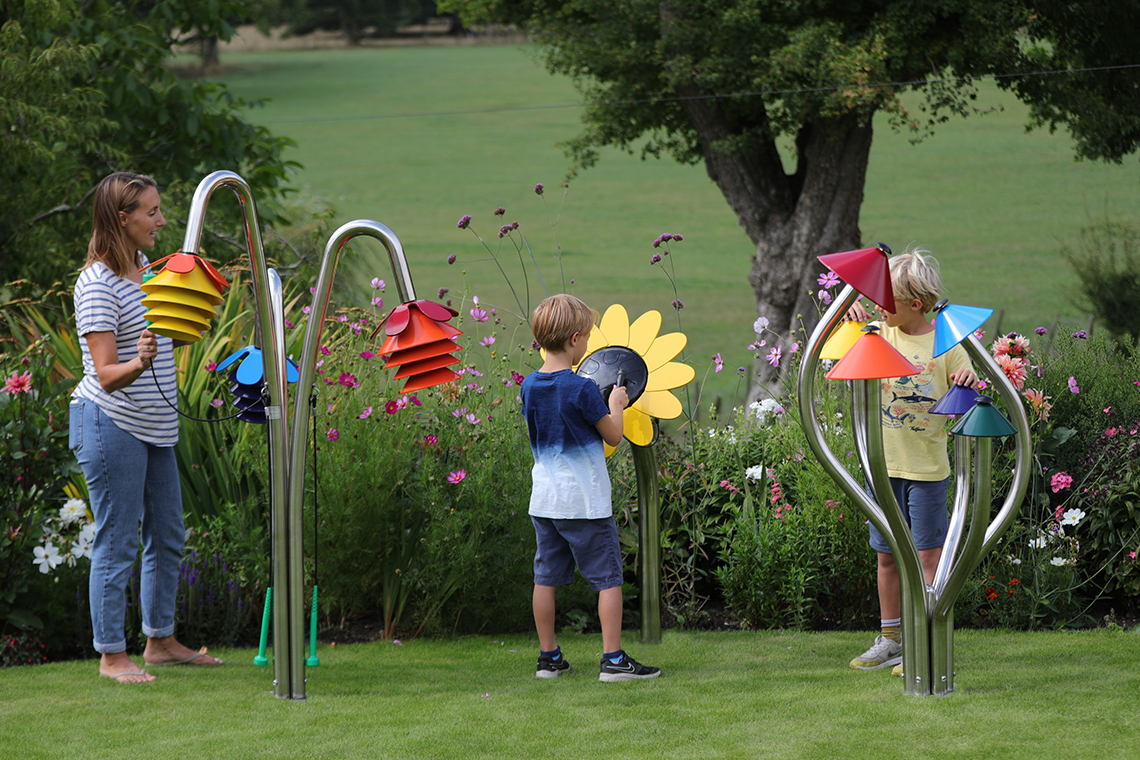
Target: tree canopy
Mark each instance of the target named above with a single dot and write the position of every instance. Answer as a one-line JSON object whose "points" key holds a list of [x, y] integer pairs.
{"points": [[777, 97], [85, 91]]}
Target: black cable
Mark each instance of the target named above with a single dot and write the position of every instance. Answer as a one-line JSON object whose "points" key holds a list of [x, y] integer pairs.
{"points": [[184, 414]]}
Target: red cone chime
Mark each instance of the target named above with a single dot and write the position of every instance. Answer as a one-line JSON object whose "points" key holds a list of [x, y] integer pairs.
{"points": [[420, 343], [181, 297]]}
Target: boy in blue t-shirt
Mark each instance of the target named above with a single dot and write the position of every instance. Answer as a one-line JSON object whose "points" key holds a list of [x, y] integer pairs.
{"points": [[570, 497]]}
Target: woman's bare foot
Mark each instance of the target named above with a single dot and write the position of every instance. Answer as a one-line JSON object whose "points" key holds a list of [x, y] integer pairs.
{"points": [[121, 668], [167, 651]]}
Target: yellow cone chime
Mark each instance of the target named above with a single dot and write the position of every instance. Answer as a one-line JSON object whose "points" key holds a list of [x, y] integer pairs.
{"points": [[181, 297]]}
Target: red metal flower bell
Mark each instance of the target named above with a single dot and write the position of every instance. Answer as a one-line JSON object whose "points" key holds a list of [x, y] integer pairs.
{"points": [[420, 343]]}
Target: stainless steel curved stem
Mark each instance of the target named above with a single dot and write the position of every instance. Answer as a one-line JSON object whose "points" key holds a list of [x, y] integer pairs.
{"points": [[809, 420], [957, 513], [288, 681], [306, 365]]}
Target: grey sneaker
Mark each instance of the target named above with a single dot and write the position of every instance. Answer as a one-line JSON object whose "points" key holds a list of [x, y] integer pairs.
{"points": [[883, 653], [548, 668], [626, 669]]}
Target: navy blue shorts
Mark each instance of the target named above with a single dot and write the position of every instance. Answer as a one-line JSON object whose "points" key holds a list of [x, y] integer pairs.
{"points": [[590, 545], [923, 505]]}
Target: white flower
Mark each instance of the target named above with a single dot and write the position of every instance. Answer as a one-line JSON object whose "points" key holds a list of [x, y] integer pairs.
{"points": [[1072, 517], [74, 510], [1058, 561], [760, 325], [475, 300], [766, 410], [755, 472], [1014, 560], [1038, 543], [47, 557]]}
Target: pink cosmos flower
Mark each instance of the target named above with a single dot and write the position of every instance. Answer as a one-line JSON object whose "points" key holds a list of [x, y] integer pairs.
{"points": [[824, 297], [333, 434], [377, 283], [457, 476], [391, 407], [348, 380], [306, 309], [774, 355], [1061, 481], [325, 351], [19, 383], [216, 403], [479, 315], [211, 366], [430, 439], [471, 418], [719, 362], [1073, 385], [378, 302], [366, 355], [488, 341], [365, 414], [828, 280]]}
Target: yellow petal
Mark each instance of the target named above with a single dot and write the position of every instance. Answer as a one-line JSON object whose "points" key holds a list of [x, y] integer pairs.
{"points": [[638, 426], [664, 349], [643, 331], [615, 324], [660, 404], [597, 341], [672, 375]]}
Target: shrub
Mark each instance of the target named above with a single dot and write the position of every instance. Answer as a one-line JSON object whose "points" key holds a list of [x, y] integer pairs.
{"points": [[1107, 265]]}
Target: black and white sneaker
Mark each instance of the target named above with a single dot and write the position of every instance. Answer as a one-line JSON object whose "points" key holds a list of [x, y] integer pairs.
{"points": [[548, 668], [626, 669]]}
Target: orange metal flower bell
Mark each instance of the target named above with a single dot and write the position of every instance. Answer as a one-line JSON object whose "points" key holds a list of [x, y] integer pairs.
{"points": [[872, 358], [181, 297], [420, 343]]}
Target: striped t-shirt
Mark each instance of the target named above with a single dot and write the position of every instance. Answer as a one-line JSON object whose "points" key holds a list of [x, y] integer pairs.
{"points": [[105, 302], [569, 478]]}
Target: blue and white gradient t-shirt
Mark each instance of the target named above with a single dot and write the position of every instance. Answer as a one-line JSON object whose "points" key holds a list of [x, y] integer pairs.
{"points": [[105, 302], [570, 481]]}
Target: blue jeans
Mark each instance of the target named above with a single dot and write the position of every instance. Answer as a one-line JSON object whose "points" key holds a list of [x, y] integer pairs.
{"points": [[129, 482]]}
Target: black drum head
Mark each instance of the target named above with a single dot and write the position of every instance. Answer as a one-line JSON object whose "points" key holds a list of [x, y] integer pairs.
{"points": [[607, 366]]}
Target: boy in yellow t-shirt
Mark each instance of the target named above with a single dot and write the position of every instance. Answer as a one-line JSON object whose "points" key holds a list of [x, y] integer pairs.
{"points": [[914, 441]]}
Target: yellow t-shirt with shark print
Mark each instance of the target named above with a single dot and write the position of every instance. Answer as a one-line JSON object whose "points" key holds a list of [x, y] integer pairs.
{"points": [[914, 440]]}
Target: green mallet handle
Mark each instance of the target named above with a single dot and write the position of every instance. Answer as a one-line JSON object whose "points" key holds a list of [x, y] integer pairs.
{"points": [[261, 659], [312, 660]]}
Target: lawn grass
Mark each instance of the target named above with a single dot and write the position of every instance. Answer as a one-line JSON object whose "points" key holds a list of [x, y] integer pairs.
{"points": [[417, 137], [1065, 695]]}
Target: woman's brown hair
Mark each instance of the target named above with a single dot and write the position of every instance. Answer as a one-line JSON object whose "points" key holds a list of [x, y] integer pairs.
{"points": [[117, 192]]}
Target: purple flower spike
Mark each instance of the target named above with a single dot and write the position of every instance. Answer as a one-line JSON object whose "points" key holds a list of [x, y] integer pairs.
{"points": [[500, 211], [538, 189], [655, 258], [678, 304], [464, 221], [451, 259]]}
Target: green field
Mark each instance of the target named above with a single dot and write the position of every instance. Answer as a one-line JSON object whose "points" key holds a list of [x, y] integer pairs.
{"points": [[728, 694], [417, 137]]}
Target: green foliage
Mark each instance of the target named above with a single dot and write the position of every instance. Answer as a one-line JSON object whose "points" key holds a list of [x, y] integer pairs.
{"points": [[1107, 264], [356, 18], [33, 437], [89, 94], [21, 648]]}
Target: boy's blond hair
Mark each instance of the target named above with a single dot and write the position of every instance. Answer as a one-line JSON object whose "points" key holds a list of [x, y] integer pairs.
{"points": [[557, 318], [915, 274]]}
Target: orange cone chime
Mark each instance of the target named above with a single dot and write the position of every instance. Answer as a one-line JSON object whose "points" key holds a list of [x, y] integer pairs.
{"points": [[420, 342], [181, 297]]}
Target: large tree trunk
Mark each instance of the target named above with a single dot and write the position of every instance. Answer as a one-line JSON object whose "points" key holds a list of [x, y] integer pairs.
{"points": [[791, 219]]}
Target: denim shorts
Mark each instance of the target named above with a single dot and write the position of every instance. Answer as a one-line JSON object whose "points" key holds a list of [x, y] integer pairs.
{"points": [[923, 505], [591, 545]]}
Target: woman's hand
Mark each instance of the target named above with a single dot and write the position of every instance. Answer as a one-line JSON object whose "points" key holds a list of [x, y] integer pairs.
{"points": [[147, 348]]}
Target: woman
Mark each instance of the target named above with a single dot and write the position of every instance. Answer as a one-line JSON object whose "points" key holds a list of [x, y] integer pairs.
{"points": [[123, 433]]}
